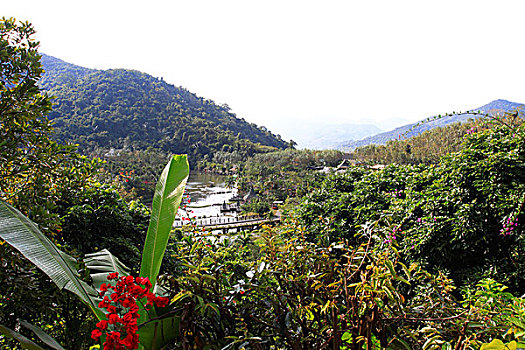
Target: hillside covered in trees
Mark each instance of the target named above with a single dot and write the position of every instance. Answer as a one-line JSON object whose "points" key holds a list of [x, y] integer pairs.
{"points": [[126, 109], [427, 147]]}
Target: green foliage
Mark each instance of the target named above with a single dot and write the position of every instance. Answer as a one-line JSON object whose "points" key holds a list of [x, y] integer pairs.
{"points": [[35, 173], [34, 170], [473, 195], [25, 342], [345, 201], [502, 312], [278, 290], [451, 215], [282, 175], [97, 217], [368, 260], [284, 292], [63, 316], [258, 206], [23, 235], [134, 173], [135, 122], [18, 231]]}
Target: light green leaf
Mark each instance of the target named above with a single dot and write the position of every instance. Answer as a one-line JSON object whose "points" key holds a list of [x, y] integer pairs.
{"points": [[496, 344], [23, 235], [446, 346], [517, 322], [405, 269], [399, 278], [180, 296], [168, 195], [346, 336], [388, 292], [388, 264], [431, 342]]}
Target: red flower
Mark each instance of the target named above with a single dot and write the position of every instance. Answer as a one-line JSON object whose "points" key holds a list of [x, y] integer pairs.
{"points": [[129, 280], [112, 309], [113, 319], [128, 302], [102, 324], [123, 301], [131, 341], [161, 301], [144, 281], [95, 334], [104, 303]]}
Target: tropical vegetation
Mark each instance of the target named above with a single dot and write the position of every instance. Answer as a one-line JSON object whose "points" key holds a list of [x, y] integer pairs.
{"points": [[421, 254]]}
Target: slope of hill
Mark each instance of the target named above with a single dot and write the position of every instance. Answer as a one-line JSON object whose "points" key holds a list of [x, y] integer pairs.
{"points": [[409, 130], [126, 109]]}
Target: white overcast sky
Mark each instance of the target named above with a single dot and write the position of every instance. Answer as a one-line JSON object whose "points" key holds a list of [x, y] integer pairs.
{"points": [[330, 61]]}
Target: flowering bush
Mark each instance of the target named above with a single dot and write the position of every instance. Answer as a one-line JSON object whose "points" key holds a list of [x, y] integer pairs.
{"points": [[123, 311]]}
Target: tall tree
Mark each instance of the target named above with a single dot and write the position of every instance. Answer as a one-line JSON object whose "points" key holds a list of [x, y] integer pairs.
{"points": [[35, 173], [30, 162]]}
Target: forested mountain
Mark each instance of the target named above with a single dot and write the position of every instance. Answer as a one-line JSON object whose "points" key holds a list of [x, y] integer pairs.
{"points": [[410, 130], [126, 109]]}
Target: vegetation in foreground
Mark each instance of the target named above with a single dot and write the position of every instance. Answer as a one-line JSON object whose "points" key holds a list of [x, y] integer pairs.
{"points": [[405, 257]]}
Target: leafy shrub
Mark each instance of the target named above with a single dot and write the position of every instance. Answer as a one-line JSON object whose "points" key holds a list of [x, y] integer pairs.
{"points": [[461, 215]]}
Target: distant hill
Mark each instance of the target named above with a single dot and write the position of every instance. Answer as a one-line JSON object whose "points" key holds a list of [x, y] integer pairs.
{"points": [[409, 130], [127, 109], [321, 135], [326, 136]]}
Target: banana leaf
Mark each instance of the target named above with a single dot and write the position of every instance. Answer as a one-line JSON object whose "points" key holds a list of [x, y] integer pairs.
{"points": [[23, 235], [24, 342], [166, 201], [46, 338], [103, 263], [155, 334]]}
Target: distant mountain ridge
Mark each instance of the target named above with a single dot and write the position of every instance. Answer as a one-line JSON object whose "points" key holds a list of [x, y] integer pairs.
{"points": [[409, 130], [319, 134], [119, 108], [325, 136]]}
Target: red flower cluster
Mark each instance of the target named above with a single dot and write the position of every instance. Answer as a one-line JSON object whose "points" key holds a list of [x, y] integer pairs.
{"points": [[121, 325]]}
